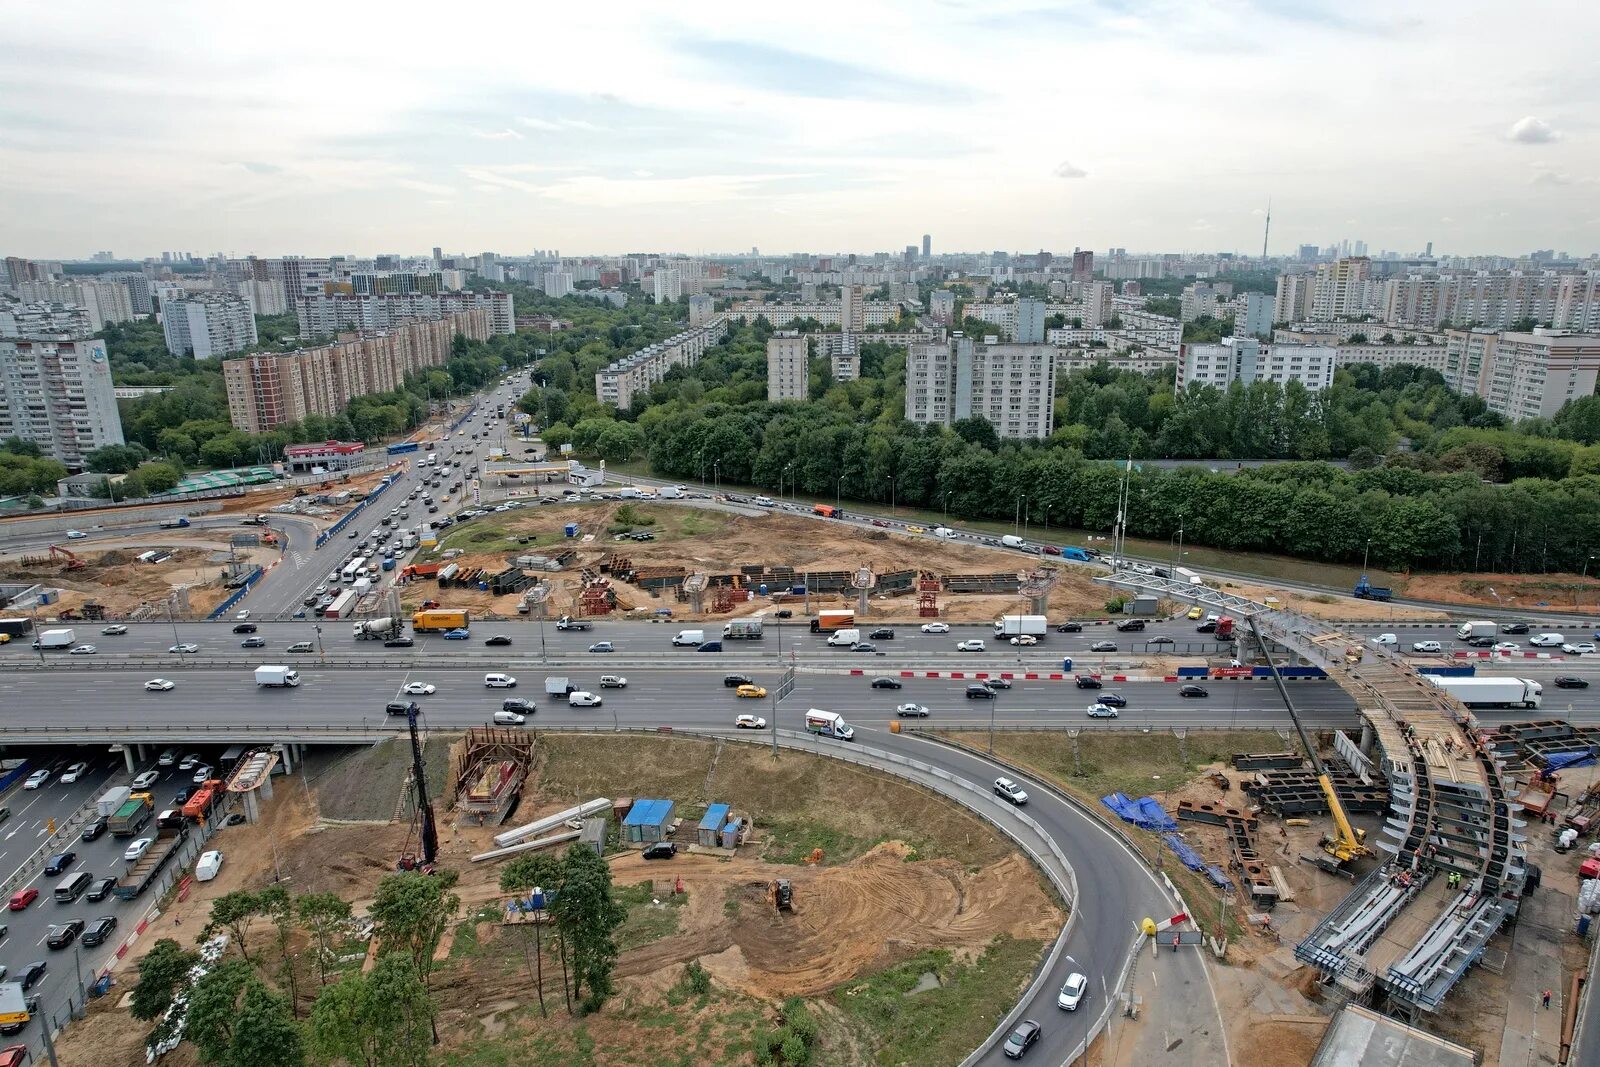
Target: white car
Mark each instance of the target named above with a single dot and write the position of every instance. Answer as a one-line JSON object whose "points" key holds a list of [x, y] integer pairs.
{"points": [[138, 849], [1546, 640], [935, 627], [158, 685], [201, 773], [418, 689], [1072, 992], [750, 722], [36, 780], [1102, 711], [1507, 648], [114, 630], [76, 535], [613, 681], [243, 615], [911, 711], [1009, 790], [583, 699], [1024, 640], [168, 757], [973, 645], [83, 650], [74, 772], [145, 779], [1581, 648], [509, 718], [187, 648], [189, 762], [1426, 646]]}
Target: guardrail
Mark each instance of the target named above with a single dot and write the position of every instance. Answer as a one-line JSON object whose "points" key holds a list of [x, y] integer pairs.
{"points": [[51, 845], [610, 663]]}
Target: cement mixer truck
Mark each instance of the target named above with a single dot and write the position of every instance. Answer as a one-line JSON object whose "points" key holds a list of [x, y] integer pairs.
{"points": [[386, 628]]}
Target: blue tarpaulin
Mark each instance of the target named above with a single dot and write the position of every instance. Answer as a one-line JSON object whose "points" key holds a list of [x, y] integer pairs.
{"points": [[1188, 856], [1144, 813], [1560, 761], [1218, 878]]}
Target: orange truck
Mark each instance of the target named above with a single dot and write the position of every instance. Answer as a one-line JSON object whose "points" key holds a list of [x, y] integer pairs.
{"points": [[199, 806], [827, 511], [420, 570], [424, 622], [828, 621]]}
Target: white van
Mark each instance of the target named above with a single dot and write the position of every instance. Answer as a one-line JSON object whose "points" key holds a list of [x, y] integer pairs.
{"points": [[943, 531], [1012, 541], [1547, 640], [208, 866], [1389, 641], [499, 681], [844, 637], [689, 637]]}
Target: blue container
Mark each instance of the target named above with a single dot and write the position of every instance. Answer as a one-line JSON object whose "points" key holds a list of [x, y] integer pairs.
{"points": [[572, 529], [762, 588], [1066, 664], [1583, 926]]}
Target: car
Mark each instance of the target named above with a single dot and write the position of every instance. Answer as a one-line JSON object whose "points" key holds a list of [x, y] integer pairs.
{"points": [[1051, 550], [418, 689], [253, 642], [973, 645], [250, 627], [398, 642], [602, 646], [1514, 628], [885, 682], [1546, 640], [37, 779], [661, 850], [1024, 640], [1113, 700], [94, 830], [935, 627], [1426, 646], [750, 722], [98, 930], [190, 762], [1507, 648], [1102, 711], [145, 779], [1578, 648], [1192, 691], [1085, 681], [911, 711], [60, 862], [1024, 1037], [864, 646], [201, 774], [613, 681], [1480, 642], [1070, 628], [751, 692], [82, 650], [1160, 639], [138, 849], [63, 934], [100, 888], [1128, 626], [1006, 789], [76, 535], [498, 639], [1103, 646], [31, 975], [22, 898], [457, 634], [301, 646], [186, 648], [782, 613], [509, 718], [116, 629], [882, 633], [583, 699], [997, 683], [300, 613], [181, 797], [74, 772], [1567, 681], [354, 534], [879, 522], [1206, 628], [1072, 992], [979, 691], [1196, 612]]}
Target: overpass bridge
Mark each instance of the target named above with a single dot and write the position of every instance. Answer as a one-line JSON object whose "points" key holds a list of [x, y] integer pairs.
{"points": [[1402, 936]]}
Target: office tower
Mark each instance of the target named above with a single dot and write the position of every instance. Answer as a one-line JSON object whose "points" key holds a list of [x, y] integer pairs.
{"points": [[1255, 318], [911, 255], [1010, 385], [788, 366], [1082, 265], [927, 246], [1030, 322], [55, 384], [701, 308], [852, 308], [668, 286], [207, 324], [1247, 360]]}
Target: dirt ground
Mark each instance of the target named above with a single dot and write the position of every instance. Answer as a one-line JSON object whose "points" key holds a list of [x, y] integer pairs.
{"points": [[1320, 606], [115, 580], [1524, 592]]}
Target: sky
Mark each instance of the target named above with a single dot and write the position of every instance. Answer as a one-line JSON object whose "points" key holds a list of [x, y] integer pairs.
{"points": [[707, 127]]}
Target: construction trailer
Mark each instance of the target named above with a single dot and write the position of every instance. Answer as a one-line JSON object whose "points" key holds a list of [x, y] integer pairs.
{"points": [[648, 821]]}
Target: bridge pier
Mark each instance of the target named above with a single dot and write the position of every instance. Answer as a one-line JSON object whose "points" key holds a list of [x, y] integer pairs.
{"points": [[252, 809], [285, 753], [127, 757], [1367, 737]]}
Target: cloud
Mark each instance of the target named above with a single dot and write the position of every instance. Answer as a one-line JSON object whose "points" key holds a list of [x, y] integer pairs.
{"points": [[1531, 130], [1064, 169], [261, 168], [1554, 177], [596, 191], [558, 125], [506, 134], [1202, 226], [768, 68]]}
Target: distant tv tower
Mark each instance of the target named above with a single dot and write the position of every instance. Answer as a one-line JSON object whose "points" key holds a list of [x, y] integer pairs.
{"points": [[1267, 231]]}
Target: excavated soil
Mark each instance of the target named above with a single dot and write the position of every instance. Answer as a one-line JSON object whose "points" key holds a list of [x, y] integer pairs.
{"points": [[1518, 592], [116, 581]]}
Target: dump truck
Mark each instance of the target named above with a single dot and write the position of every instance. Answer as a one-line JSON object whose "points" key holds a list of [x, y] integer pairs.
{"points": [[277, 676], [144, 871], [131, 817], [1365, 590], [1484, 692], [829, 621], [199, 806], [1224, 630], [1021, 625], [438, 620], [379, 629], [420, 570], [56, 639], [742, 629]]}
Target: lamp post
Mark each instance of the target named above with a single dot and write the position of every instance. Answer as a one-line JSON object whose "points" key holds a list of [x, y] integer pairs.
{"points": [[716, 472], [1365, 552], [320, 654], [1047, 516], [1586, 566], [700, 462], [838, 492], [947, 508]]}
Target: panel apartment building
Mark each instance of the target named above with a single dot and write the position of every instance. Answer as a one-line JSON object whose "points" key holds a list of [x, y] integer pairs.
{"points": [[788, 366], [269, 390], [1011, 385], [323, 315], [636, 373], [1522, 375], [55, 383], [1247, 360], [207, 324]]}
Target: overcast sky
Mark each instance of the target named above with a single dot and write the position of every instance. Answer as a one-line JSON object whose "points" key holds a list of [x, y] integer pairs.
{"points": [[820, 126]]}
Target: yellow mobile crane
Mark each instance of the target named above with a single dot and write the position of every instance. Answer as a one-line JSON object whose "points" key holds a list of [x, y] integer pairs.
{"points": [[1346, 843]]}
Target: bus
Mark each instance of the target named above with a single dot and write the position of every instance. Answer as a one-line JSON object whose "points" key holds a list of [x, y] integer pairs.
{"points": [[402, 447], [353, 568]]}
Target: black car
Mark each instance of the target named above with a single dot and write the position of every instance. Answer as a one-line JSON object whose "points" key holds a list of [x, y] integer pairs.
{"points": [[32, 1005], [882, 633], [1113, 700], [245, 628], [99, 930], [31, 975], [1160, 639], [1130, 625], [785, 613], [100, 889], [96, 827], [59, 863], [1024, 1037], [1480, 642], [1514, 628], [1070, 628], [400, 707], [1207, 627], [734, 681], [64, 934], [661, 850], [997, 683], [397, 642], [1192, 691], [181, 797], [979, 692], [1085, 682], [1568, 681], [498, 639], [886, 683], [517, 704]]}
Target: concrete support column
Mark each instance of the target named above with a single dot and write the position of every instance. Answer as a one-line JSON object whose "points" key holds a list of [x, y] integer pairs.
{"points": [[127, 757], [252, 809], [286, 754], [1366, 738], [139, 752], [266, 788]]}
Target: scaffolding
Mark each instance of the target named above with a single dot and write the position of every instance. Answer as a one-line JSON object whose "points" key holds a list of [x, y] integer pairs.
{"points": [[490, 769]]}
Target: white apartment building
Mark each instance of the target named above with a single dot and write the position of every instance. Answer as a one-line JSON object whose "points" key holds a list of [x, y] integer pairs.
{"points": [[1468, 360], [701, 308], [873, 313], [1247, 360], [207, 325], [1343, 287], [1199, 299], [1098, 303], [668, 285], [1029, 322], [1522, 375], [325, 315], [55, 385], [1293, 300], [1578, 303], [788, 366], [636, 373], [557, 284], [1424, 354], [942, 305], [265, 297], [1141, 362], [1010, 385], [104, 302], [852, 308]]}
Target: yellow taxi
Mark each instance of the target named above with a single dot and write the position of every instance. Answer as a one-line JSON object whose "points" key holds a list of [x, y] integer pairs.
{"points": [[915, 529], [754, 692], [1196, 612]]}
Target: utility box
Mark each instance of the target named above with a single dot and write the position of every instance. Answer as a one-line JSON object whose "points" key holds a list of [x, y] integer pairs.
{"points": [[709, 832]]}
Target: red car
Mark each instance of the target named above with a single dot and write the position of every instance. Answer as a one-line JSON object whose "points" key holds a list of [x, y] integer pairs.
{"points": [[1051, 550], [879, 522], [23, 897]]}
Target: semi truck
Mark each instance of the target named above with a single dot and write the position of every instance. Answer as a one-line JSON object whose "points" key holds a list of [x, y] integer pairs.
{"points": [[829, 724], [1476, 628], [16, 627], [56, 639], [1485, 692], [1020, 625], [282, 677], [437, 620], [343, 604], [742, 629], [130, 818], [179, 523], [139, 877], [1365, 590], [828, 621], [380, 629]]}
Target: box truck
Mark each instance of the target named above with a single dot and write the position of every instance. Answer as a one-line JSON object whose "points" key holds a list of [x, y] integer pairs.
{"points": [[1019, 625], [829, 724], [828, 621], [1476, 628], [277, 676], [1482, 692], [55, 639], [742, 629]]}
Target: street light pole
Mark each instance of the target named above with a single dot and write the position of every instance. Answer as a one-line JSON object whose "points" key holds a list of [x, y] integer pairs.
{"points": [[1365, 552], [1586, 566], [838, 492], [947, 508]]}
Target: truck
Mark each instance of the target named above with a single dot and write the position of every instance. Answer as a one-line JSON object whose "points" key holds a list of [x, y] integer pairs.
{"points": [[16, 627], [827, 511], [1184, 574], [408, 539], [559, 687], [256, 520], [111, 800], [383, 628], [828, 621], [829, 724], [420, 570], [567, 622], [669, 492], [277, 676], [179, 523], [139, 877], [342, 605], [1476, 628], [130, 818], [742, 629], [1075, 553], [1224, 630], [438, 620], [1365, 590], [199, 805], [56, 639], [1484, 692], [1020, 625]]}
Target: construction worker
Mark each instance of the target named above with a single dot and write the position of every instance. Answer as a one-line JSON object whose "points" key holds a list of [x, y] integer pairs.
{"points": [[1175, 948], [1545, 996]]}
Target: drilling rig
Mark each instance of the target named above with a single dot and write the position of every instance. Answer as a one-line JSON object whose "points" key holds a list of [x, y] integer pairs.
{"points": [[427, 832]]}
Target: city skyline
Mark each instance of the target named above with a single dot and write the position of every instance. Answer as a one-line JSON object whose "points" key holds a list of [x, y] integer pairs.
{"points": [[1164, 130]]}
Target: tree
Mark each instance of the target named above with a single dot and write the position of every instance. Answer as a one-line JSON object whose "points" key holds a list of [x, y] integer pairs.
{"points": [[620, 442], [380, 1019], [274, 903], [235, 912], [214, 1008], [1364, 458], [162, 972], [116, 459], [589, 916], [519, 876], [979, 431], [264, 1033], [410, 913], [156, 477], [18, 447], [324, 914]]}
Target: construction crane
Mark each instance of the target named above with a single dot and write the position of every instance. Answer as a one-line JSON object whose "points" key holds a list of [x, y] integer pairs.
{"points": [[427, 832], [71, 558], [1347, 843]]}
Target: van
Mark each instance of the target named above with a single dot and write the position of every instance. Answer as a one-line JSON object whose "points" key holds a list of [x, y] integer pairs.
{"points": [[499, 681], [1389, 641], [689, 637], [845, 637], [1547, 640], [69, 889], [1012, 541], [710, 646], [210, 863]]}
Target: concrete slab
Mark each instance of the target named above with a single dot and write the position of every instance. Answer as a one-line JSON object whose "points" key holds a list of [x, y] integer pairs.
{"points": [[1358, 1035]]}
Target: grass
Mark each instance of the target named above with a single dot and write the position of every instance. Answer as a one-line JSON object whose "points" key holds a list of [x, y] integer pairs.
{"points": [[793, 840], [937, 1026], [366, 784], [646, 921], [466, 944]]}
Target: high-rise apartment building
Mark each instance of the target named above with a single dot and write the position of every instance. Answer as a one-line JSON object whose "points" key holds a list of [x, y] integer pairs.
{"points": [[1293, 301], [1030, 322], [557, 284], [1522, 375], [138, 283], [1578, 303], [322, 316], [852, 308], [265, 297], [105, 302], [1097, 303], [942, 305], [1198, 300], [927, 246], [55, 384], [1082, 266], [1247, 360], [396, 282], [1343, 287], [668, 285], [701, 308], [788, 366], [1254, 317], [1010, 385], [636, 373], [207, 325]]}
